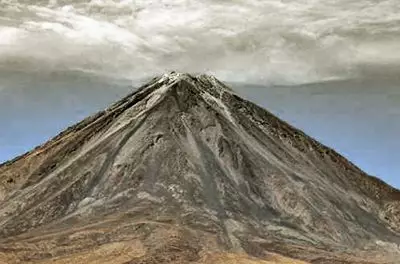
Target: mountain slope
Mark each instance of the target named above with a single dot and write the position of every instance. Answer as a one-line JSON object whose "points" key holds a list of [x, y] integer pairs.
{"points": [[184, 167]]}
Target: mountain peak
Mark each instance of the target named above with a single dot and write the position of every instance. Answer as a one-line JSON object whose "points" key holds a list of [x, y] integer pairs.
{"points": [[181, 166], [175, 76], [200, 82], [179, 76]]}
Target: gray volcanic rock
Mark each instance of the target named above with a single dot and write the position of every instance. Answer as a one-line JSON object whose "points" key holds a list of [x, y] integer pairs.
{"points": [[182, 167]]}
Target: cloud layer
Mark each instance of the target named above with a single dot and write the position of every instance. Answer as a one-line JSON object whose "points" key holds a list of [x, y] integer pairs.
{"points": [[280, 42]]}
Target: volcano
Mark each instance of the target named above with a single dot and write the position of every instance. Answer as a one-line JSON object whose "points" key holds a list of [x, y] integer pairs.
{"points": [[183, 170]]}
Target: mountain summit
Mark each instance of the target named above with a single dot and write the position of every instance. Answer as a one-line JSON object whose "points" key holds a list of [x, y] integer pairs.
{"points": [[185, 171]]}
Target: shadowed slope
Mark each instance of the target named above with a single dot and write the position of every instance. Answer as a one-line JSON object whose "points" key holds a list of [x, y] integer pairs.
{"points": [[183, 167]]}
